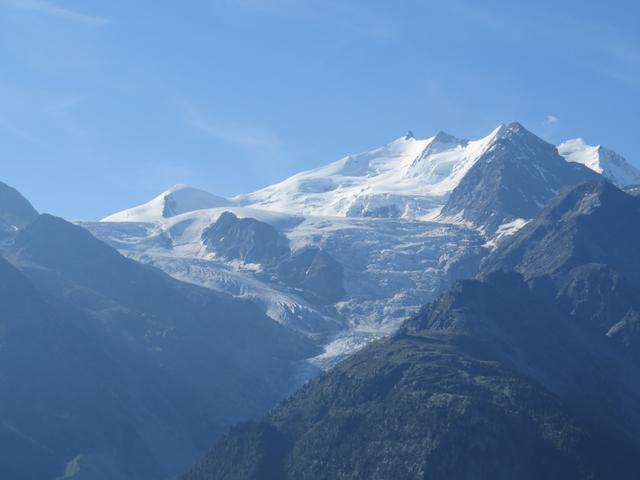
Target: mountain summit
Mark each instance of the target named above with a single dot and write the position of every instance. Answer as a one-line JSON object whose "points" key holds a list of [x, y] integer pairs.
{"points": [[406, 178], [512, 180], [178, 199], [606, 162], [418, 179]]}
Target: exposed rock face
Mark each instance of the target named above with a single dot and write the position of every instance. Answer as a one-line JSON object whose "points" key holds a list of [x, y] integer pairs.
{"points": [[245, 239], [312, 270], [514, 179], [586, 242]]}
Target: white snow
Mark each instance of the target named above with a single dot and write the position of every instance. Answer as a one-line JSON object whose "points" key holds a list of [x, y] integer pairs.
{"points": [[601, 160], [391, 268], [178, 199], [506, 230], [375, 212], [407, 178]]}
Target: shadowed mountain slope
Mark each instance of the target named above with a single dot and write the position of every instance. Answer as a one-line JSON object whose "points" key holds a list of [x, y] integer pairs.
{"points": [[15, 210], [128, 367], [502, 377]]}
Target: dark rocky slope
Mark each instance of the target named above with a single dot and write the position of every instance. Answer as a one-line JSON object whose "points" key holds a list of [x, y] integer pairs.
{"points": [[586, 241], [510, 376], [15, 210], [311, 272], [120, 364], [65, 390]]}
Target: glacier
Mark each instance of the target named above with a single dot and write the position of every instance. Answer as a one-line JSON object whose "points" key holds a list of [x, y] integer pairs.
{"points": [[377, 213]]}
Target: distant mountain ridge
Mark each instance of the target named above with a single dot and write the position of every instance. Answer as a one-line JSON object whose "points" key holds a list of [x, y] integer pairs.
{"points": [[406, 178]]}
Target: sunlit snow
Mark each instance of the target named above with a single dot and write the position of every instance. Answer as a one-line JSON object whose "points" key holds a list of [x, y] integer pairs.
{"points": [[375, 212], [601, 160]]}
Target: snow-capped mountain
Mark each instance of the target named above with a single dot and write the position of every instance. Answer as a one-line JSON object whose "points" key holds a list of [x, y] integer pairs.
{"points": [[337, 256], [407, 178], [512, 181], [178, 199], [608, 163], [389, 229]]}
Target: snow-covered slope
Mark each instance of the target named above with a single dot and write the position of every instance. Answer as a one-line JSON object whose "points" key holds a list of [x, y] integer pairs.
{"points": [[407, 178], [608, 163], [391, 267], [178, 199], [377, 214]]}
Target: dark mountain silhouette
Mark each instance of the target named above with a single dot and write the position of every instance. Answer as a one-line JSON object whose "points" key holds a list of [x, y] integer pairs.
{"points": [[15, 210], [514, 375], [125, 365]]}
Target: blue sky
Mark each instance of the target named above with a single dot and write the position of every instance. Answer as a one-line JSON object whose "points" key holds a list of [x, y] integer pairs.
{"points": [[103, 104]]}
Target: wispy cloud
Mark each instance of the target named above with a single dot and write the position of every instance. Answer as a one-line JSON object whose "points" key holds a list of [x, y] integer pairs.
{"points": [[552, 120], [235, 133], [45, 7]]}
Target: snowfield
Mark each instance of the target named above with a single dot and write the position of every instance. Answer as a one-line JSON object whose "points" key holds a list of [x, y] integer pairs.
{"points": [[601, 160], [391, 266], [376, 213], [407, 178], [179, 199]]}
